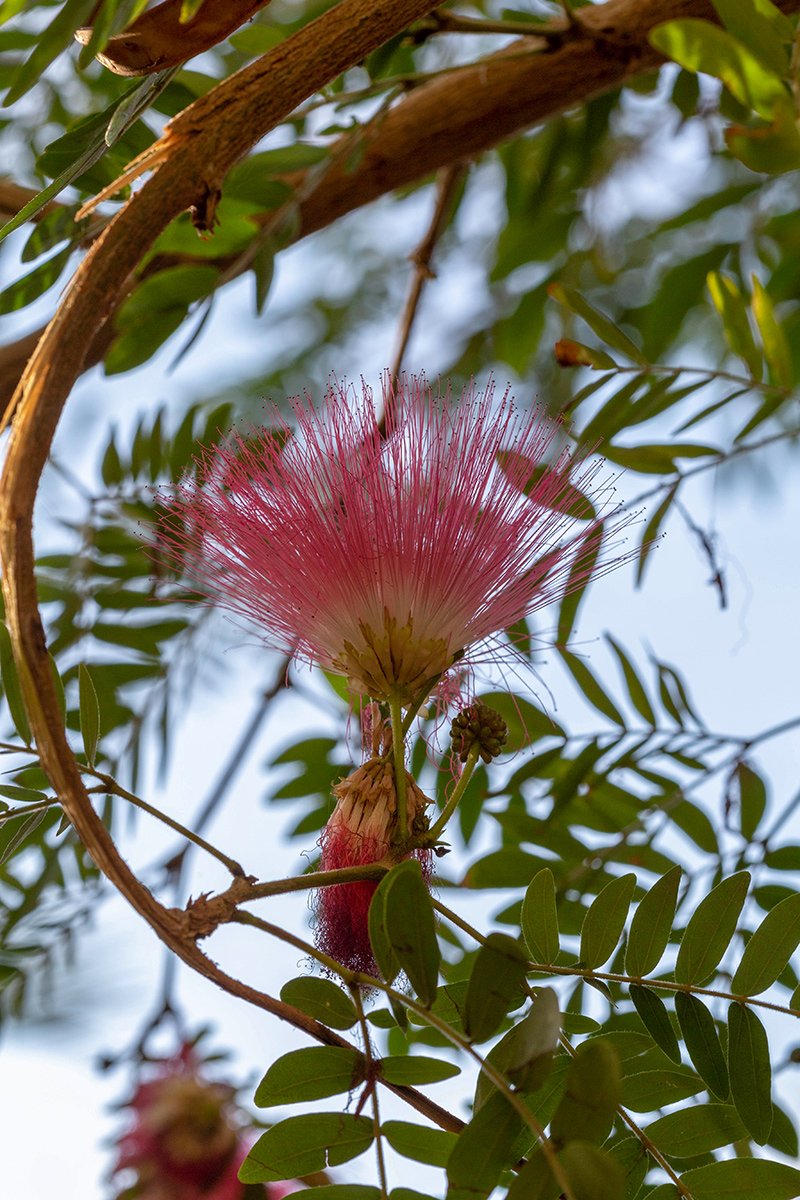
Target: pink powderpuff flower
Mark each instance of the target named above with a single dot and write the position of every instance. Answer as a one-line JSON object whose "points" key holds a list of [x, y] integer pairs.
{"points": [[185, 1142], [384, 555]]}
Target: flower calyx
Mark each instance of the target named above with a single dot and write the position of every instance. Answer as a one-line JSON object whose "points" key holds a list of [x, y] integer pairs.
{"points": [[479, 725]]}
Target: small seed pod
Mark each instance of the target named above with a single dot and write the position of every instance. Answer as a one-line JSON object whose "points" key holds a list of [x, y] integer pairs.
{"points": [[482, 725]]}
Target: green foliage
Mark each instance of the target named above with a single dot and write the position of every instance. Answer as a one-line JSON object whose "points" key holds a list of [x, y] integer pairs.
{"points": [[582, 831]]}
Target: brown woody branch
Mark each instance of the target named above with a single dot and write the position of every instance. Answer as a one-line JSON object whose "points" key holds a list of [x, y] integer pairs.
{"points": [[246, 107], [459, 115]]}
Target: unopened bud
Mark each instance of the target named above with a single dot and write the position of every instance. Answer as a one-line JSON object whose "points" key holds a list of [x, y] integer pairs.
{"points": [[480, 724]]}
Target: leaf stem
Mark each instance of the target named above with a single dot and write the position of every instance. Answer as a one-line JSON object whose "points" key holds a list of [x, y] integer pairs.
{"points": [[109, 784], [458, 792], [395, 708], [355, 993]]}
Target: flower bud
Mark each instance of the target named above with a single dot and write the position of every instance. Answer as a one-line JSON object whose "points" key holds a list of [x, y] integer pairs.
{"points": [[480, 724]]}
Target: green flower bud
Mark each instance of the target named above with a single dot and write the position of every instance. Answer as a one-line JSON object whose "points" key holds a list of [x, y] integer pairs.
{"points": [[480, 724]]}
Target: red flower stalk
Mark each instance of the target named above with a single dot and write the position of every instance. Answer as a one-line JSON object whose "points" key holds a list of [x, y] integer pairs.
{"points": [[363, 828], [384, 557]]}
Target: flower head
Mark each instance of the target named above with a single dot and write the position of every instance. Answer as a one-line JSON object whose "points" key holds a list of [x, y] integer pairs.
{"points": [[384, 556], [184, 1143]]}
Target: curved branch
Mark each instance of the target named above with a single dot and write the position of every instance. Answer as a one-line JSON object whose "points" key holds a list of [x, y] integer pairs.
{"points": [[248, 106]]}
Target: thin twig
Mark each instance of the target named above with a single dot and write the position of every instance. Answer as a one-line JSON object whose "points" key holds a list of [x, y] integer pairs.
{"points": [[447, 182], [355, 994], [110, 785]]}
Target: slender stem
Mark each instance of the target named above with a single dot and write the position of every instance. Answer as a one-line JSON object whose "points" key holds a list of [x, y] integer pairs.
{"points": [[27, 809], [447, 181], [355, 993], [447, 22], [317, 879], [398, 744], [351, 978], [458, 792], [110, 785]]}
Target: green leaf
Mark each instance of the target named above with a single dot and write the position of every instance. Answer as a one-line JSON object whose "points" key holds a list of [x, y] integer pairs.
{"points": [[743, 1179], [311, 1074], [167, 289], [484, 1148], [320, 999], [648, 936], [650, 534], [346, 1191], [597, 322], [605, 920], [762, 32], [495, 985], [655, 1019], [592, 1094], [411, 927], [773, 337], [28, 826], [580, 574], [769, 949], [750, 1071], [710, 929], [58, 226], [590, 687], [139, 341], [700, 46], [529, 1053], [656, 458], [387, 961], [697, 1129], [592, 1174], [414, 1069], [264, 272], [254, 178], [702, 1043], [33, 285], [636, 689], [526, 1051], [540, 918], [752, 799], [256, 39], [419, 1142], [58, 684], [55, 38], [648, 1090], [301, 1145], [732, 309], [551, 489], [11, 687], [89, 713], [696, 825], [22, 795]]}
